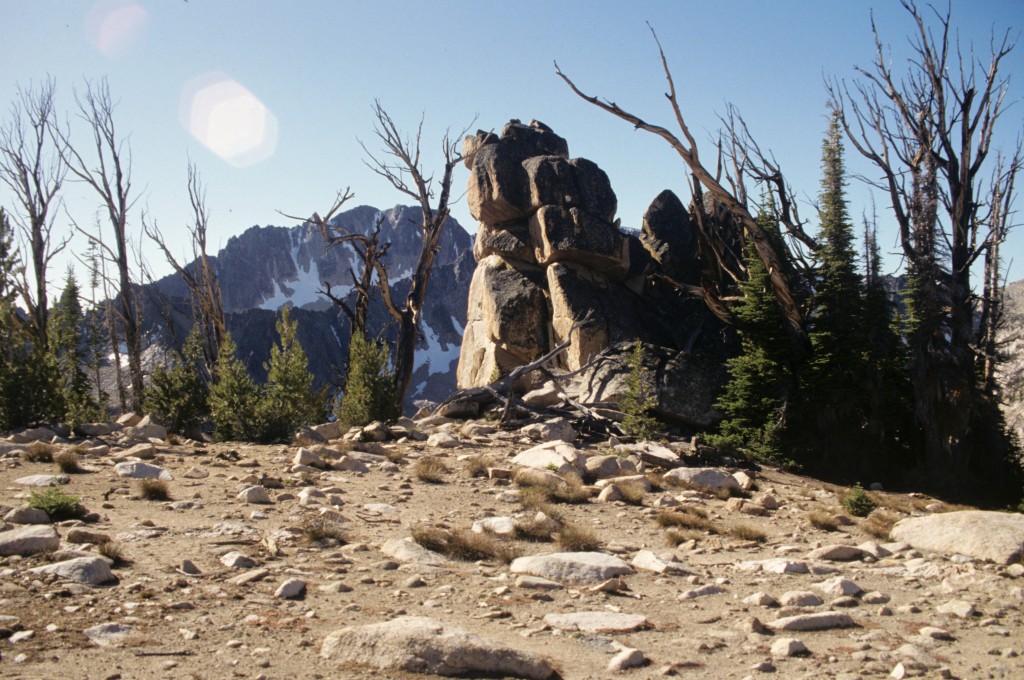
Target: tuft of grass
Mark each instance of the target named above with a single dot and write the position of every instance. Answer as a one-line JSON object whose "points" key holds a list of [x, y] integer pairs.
{"points": [[151, 489], [394, 456], [858, 503], [692, 520], [173, 439], [317, 528], [879, 524], [675, 537], [57, 505], [430, 469], [67, 462], [470, 546], [464, 544], [633, 493], [656, 480], [38, 452], [113, 551], [536, 531], [747, 532], [571, 490], [572, 538], [822, 520], [477, 466]]}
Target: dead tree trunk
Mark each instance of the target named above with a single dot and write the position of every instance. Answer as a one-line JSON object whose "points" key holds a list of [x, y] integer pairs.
{"points": [[110, 177]]}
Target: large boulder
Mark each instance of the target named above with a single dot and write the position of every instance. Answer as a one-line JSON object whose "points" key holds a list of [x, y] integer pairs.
{"points": [[507, 322], [994, 536], [416, 644], [669, 235], [571, 567], [510, 241], [496, 185], [562, 234], [29, 540]]}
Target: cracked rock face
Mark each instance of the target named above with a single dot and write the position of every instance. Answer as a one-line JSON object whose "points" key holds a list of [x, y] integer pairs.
{"points": [[550, 251]]}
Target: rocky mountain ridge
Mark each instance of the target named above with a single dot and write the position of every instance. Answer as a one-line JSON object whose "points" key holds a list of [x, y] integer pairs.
{"points": [[267, 267]]}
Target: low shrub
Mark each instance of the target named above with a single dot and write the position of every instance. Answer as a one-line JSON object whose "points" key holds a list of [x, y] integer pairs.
{"points": [[153, 490], [858, 503], [318, 528], [57, 504], [430, 469], [572, 538], [38, 452], [748, 532], [67, 462], [822, 520]]}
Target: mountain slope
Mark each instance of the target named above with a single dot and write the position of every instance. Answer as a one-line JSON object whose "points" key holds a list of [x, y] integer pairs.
{"points": [[265, 268]]}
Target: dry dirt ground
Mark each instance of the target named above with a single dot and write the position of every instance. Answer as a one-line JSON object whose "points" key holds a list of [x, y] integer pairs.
{"points": [[207, 625]]}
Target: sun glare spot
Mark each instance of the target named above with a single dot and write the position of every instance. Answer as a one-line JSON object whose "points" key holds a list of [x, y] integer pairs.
{"points": [[228, 119], [113, 27]]}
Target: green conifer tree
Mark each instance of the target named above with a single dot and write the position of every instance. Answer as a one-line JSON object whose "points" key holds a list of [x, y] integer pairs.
{"points": [[370, 386], [234, 396], [178, 395], [640, 398], [69, 354], [762, 382], [289, 400]]}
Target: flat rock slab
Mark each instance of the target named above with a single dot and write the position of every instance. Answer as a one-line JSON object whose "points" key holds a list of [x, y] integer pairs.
{"points": [[572, 567], [597, 622], [43, 480], [106, 634], [816, 621], [837, 553], [712, 480], [136, 470], [29, 540], [557, 455], [409, 551], [90, 571], [994, 536], [418, 644]]}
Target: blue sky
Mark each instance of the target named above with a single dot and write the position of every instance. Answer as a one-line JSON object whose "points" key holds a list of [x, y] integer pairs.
{"points": [[308, 72]]}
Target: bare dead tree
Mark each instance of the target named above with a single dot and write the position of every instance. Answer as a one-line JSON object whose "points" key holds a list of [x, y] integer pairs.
{"points": [[109, 174], [33, 167], [400, 164], [929, 132], [746, 160], [198, 276]]}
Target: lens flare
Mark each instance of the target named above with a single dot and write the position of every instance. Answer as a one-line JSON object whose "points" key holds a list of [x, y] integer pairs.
{"points": [[228, 119], [113, 27]]}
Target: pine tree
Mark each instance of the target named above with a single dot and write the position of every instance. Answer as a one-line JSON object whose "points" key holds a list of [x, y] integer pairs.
{"points": [[640, 398], [234, 396], [757, 398], [289, 400], [369, 388], [178, 396], [69, 355], [833, 416]]}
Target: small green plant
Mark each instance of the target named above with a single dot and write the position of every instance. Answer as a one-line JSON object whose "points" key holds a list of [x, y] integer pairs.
{"points": [[639, 399], [38, 452], [67, 462], [430, 469], [153, 490], [858, 503], [57, 505]]}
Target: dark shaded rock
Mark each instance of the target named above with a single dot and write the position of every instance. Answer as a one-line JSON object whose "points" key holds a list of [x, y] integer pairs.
{"points": [[571, 235], [510, 240], [496, 185], [670, 236], [595, 189]]}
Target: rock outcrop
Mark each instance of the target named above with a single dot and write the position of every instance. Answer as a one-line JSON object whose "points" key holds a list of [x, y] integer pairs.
{"points": [[550, 251]]}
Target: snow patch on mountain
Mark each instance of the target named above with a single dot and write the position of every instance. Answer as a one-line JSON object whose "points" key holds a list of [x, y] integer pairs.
{"points": [[438, 355], [300, 291]]}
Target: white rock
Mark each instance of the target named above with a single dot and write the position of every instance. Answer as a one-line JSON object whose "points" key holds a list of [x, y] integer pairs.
{"points": [[745, 481], [597, 622], [786, 647], [815, 621], [559, 456], [571, 567], [702, 591], [986, 535], [43, 480], [761, 600], [503, 526], [442, 440], [237, 560], [137, 470], [839, 586], [25, 514], [408, 550], [626, 659], [291, 589], [958, 608], [90, 571], [106, 634], [555, 429], [712, 480], [421, 645], [610, 466], [836, 553], [648, 561], [256, 495], [306, 457], [29, 540], [548, 395], [799, 598]]}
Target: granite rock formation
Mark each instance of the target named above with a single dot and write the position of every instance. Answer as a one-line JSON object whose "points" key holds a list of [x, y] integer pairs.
{"points": [[549, 251]]}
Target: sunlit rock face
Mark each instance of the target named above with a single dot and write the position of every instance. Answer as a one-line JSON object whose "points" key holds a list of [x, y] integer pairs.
{"points": [[551, 252], [265, 268]]}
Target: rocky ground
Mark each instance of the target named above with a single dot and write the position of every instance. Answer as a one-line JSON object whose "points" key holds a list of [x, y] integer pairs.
{"points": [[289, 562]]}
